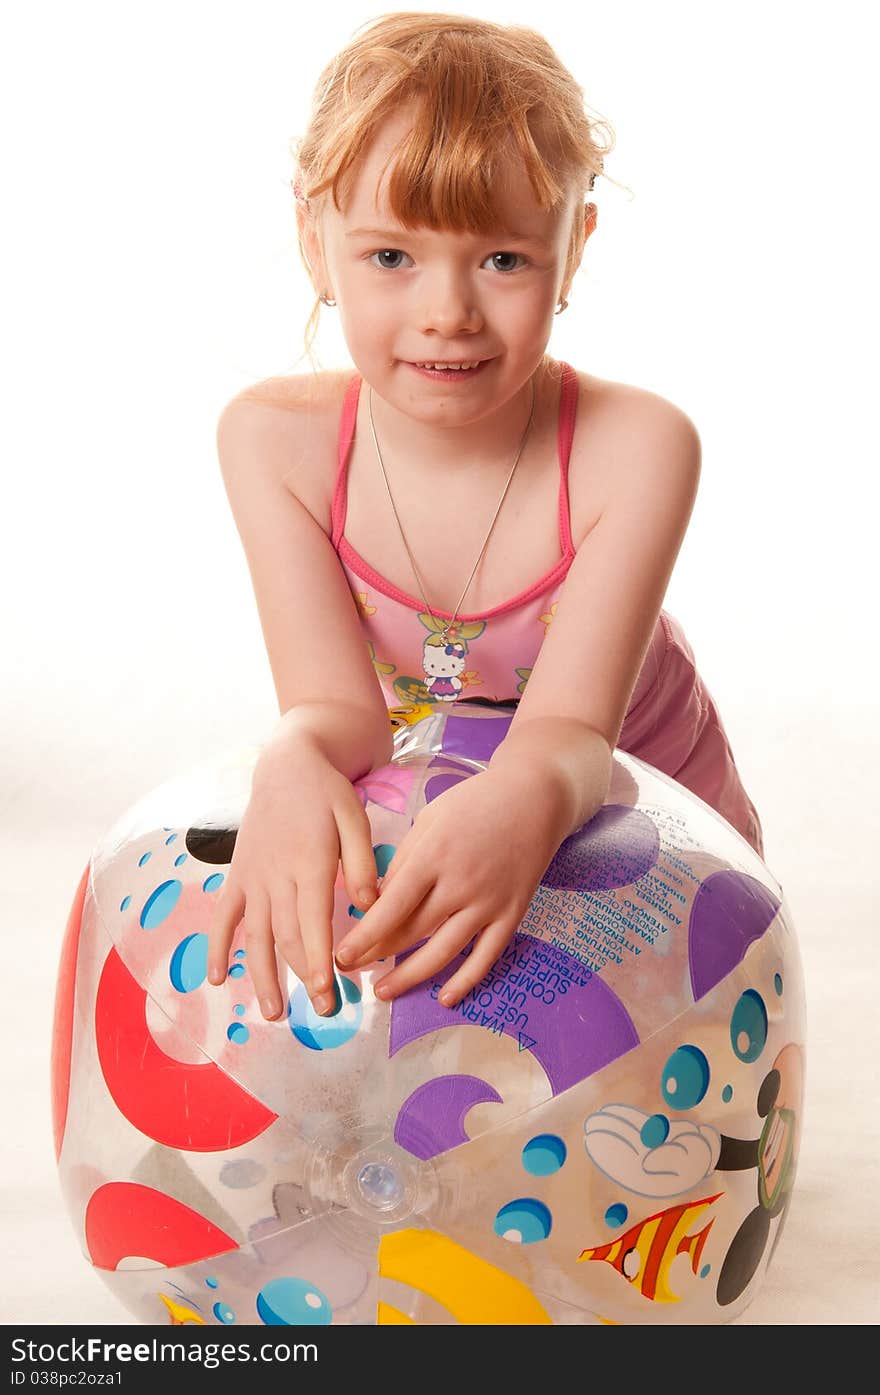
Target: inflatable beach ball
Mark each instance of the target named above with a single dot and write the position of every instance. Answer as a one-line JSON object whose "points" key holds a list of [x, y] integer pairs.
{"points": [[605, 1130]]}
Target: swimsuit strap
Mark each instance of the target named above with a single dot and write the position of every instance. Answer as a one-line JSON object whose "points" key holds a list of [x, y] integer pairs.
{"points": [[568, 400], [567, 413], [346, 436]]}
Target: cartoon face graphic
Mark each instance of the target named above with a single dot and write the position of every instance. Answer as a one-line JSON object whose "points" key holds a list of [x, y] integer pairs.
{"points": [[777, 1146], [409, 715], [774, 1154], [443, 661]]}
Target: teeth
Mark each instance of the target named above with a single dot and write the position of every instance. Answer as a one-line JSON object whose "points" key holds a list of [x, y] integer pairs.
{"points": [[455, 367]]}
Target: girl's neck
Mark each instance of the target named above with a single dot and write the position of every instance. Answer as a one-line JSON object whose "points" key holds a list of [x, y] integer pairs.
{"points": [[439, 449]]}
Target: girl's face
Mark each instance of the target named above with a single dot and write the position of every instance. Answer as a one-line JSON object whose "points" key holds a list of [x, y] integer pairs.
{"points": [[409, 297]]}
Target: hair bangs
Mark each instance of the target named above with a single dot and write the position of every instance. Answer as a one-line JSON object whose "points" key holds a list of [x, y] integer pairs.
{"points": [[450, 174]]}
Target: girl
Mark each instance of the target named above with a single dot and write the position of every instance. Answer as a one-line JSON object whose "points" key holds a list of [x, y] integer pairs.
{"points": [[498, 526]]}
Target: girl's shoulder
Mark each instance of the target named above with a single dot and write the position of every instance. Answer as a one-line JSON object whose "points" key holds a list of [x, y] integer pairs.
{"points": [[616, 425], [293, 420], [622, 407], [291, 393]]}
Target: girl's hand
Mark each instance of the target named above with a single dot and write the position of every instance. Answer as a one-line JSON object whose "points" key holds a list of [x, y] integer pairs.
{"points": [[302, 818], [466, 870]]}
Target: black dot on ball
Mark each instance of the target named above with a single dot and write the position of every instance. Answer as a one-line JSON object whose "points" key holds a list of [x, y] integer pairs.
{"points": [[768, 1092], [212, 845]]}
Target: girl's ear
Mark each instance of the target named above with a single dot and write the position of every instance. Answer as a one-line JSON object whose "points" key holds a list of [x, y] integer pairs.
{"points": [[591, 214], [310, 249]]}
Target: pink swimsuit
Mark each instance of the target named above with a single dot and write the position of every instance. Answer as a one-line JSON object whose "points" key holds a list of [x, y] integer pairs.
{"points": [[672, 722]]}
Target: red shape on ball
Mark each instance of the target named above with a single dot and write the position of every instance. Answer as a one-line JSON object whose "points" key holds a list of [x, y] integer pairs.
{"points": [[127, 1219], [62, 1026], [196, 1107]]}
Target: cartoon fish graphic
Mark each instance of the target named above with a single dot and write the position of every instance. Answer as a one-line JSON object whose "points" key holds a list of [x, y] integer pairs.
{"points": [[179, 1315], [645, 1253]]}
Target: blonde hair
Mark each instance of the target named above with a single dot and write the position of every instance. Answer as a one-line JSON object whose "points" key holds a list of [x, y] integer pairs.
{"points": [[476, 86]]}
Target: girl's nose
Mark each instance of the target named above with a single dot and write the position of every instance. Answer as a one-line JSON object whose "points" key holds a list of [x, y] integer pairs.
{"points": [[449, 306]]}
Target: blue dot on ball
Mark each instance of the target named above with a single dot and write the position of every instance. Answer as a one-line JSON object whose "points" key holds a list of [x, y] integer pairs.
{"points": [[685, 1077], [289, 1302], [326, 1033], [189, 963], [160, 903], [655, 1131], [524, 1221], [543, 1155], [748, 1026]]}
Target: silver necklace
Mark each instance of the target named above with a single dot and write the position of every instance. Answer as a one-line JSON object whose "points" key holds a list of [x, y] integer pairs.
{"points": [[444, 627]]}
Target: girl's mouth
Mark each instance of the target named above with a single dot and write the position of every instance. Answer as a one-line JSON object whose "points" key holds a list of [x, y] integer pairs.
{"points": [[449, 375]]}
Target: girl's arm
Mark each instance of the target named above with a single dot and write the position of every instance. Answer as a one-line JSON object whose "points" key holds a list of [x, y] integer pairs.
{"points": [[324, 680], [303, 817], [566, 763], [570, 716]]}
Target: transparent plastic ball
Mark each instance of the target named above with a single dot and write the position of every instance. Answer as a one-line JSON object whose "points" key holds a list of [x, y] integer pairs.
{"points": [[605, 1130]]}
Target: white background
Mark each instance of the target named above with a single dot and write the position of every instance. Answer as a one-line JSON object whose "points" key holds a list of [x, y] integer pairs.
{"points": [[150, 270]]}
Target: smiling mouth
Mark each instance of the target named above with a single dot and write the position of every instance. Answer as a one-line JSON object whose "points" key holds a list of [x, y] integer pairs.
{"points": [[452, 365]]}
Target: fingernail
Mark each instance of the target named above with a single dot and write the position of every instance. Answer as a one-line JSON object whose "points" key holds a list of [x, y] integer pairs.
{"points": [[383, 991], [322, 1004], [216, 976], [367, 895], [446, 998], [345, 957], [320, 982], [269, 1007]]}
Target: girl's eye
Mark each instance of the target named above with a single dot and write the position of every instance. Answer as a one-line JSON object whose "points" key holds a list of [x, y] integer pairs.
{"points": [[507, 254], [387, 252], [390, 252]]}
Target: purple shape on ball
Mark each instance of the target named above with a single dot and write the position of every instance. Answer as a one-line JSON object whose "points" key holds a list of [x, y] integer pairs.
{"points": [[451, 762], [730, 910], [439, 784], [477, 739], [617, 846], [572, 1036], [432, 1119]]}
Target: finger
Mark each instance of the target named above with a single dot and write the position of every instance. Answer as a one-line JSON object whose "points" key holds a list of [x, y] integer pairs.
{"points": [[488, 947], [225, 919], [400, 857], [315, 914], [433, 956], [285, 929], [395, 906], [260, 953], [425, 920], [356, 853]]}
